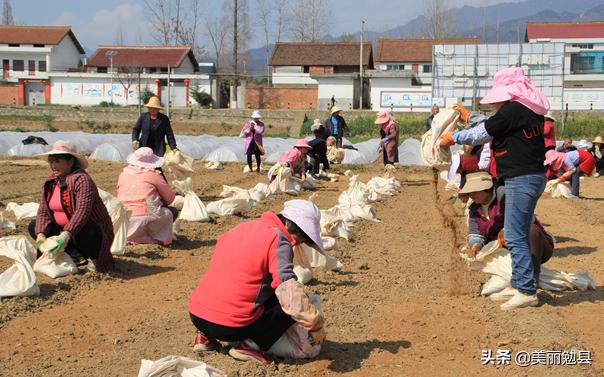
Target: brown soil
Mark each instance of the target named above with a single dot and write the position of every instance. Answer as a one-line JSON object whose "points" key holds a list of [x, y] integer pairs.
{"points": [[404, 303]]}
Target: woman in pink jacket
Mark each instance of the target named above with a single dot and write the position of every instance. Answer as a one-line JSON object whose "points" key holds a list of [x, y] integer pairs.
{"points": [[389, 132], [253, 139], [145, 192]]}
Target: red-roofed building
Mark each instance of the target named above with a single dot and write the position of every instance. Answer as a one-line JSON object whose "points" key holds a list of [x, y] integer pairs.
{"points": [[151, 59], [583, 60], [29, 53]]}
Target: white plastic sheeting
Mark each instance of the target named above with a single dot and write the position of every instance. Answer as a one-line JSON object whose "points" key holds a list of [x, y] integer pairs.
{"points": [[116, 147]]}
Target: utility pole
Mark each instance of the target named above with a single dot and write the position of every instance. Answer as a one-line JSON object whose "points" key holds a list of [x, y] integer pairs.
{"points": [[111, 54], [235, 69], [168, 107], [361, 67]]}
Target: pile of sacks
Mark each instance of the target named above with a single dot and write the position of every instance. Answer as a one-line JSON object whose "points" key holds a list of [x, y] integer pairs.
{"points": [[496, 261], [559, 189]]}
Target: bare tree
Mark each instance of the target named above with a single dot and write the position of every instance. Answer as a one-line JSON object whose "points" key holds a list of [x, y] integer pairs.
{"points": [[265, 12], [217, 31], [439, 20], [7, 13], [309, 21], [160, 13], [120, 32], [281, 8]]}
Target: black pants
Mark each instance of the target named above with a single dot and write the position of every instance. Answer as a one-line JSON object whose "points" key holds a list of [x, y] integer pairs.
{"points": [[599, 164], [264, 332], [318, 156], [87, 242], [338, 140], [386, 160], [253, 150]]}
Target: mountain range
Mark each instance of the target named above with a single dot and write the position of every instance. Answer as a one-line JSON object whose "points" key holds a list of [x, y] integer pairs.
{"points": [[499, 23]]}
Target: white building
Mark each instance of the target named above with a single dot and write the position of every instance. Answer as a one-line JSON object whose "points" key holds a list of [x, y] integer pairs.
{"points": [[402, 79], [29, 53], [583, 59], [115, 74], [332, 67]]}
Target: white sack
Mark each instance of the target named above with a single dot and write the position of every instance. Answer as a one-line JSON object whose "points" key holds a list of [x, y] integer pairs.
{"points": [[214, 165], [5, 222], [192, 208], [558, 189], [59, 265], [316, 259], [178, 202], [229, 206], [357, 193], [497, 261], [432, 154], [295, 343], [19, 279], [384, 186], [284, 181], [23, 211], [174, 366], [178, 164], [120, 218], [333, 226]]}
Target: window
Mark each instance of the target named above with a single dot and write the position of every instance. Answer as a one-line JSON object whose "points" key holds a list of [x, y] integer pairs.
{"points": [[18, 65], [306, 69], [31, 66], [101, 69], [14, 45], [152, 70], [164, 70], [42, 66], [395, 67], [587, 63], [588, 46], [39, 45], [427, 68]]}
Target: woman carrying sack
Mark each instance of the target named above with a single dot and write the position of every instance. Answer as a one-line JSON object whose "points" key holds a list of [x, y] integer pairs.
{"points": [[252, 131]]}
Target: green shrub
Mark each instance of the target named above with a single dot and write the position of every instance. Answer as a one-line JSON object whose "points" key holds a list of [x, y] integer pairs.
{"points": [[580, 125], [105, 126], [146, 95], [202, 98]]}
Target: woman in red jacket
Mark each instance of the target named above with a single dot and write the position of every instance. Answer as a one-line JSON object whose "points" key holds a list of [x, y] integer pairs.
{"points": [[250, 294]]}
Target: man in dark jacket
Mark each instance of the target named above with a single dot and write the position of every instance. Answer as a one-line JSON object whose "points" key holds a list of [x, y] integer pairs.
{"points": [[336, 125], [152, 128]]}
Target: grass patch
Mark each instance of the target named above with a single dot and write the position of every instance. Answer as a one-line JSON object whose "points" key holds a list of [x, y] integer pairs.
{"points": [[581, 126], [362, 128], [34, 118]]}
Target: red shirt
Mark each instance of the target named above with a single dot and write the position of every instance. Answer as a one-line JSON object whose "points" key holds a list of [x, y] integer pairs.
{"points": [[249, 262], [549, 134]]}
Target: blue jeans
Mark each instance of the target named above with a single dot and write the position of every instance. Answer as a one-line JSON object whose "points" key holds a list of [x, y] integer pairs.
{"points": [[521, 195]]}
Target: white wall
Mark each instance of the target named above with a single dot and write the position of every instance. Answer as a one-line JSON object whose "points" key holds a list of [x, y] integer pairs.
{"points": [[185, 66], [292, 76], [342, 89], [581, 98], [420, 97], [64, 56]]}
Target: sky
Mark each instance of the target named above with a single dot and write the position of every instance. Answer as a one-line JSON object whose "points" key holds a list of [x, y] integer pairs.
{"points": [[94, 22]]}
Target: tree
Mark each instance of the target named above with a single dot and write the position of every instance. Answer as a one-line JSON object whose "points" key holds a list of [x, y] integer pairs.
{"points": [[120, 33], [265, 15], [217, 31], [281, 9], [7, 14], [309, 20], [439, 20]]}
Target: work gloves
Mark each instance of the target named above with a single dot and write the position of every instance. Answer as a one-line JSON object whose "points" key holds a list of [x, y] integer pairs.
{"points": [[447, 140], [464, 113]]}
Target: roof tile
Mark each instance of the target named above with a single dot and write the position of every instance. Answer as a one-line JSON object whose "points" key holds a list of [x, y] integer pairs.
{"points": [[412, 50], [320, 54]]}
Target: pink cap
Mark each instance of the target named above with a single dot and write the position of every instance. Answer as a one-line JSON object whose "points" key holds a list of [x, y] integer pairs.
{"points": [[382, 117], [510, 84], [302, 144], [554, 158], [144, 158], [307, 216]]}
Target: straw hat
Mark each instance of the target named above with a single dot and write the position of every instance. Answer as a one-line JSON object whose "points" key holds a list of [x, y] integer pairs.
{"points": [[335, 109], [316, 125], [598, 139], [478, 181], [307, 216], [382, 117], [67, 147], [256, 115], [154, 103], [144, 158], [550, 116]]}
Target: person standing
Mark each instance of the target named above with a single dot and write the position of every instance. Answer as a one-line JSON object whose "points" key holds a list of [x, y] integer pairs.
{"points": [[336, 125], [433, 112], [253, 131], [597, 150], [389, 132], [516, 136], [152, 128]]}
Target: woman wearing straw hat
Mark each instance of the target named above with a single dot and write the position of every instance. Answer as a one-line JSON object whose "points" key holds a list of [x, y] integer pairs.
{"points": [[152, 128], [252, 131], [147, 195], [336, 125], [71, 208], [249, 293], [516, 136], [597, 150], [486, 217], [389, 132]]}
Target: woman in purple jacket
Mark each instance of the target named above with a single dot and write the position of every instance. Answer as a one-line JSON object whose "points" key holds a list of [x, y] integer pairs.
{"points": [[252, 131]]}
